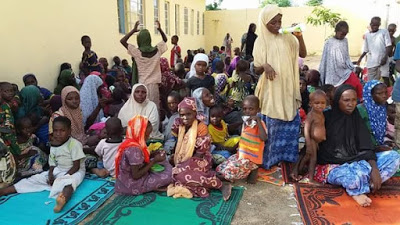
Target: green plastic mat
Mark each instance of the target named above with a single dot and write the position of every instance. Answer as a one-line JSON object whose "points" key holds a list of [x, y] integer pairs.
{"points": [[157, 208]]}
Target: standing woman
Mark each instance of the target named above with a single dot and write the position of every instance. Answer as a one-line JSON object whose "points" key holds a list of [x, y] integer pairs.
{"points": [[275, 57], [147, 59], [248, 40], [228, 44]]}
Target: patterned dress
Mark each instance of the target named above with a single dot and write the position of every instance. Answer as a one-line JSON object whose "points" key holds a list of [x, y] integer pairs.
{"points": [[195, 174], [125, 184], [7, 123], [33, 164]]}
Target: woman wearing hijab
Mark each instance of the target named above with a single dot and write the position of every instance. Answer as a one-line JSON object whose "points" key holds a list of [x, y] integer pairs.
{"points": [[197, 76], [31, 100], [373, 112], [71, 109], [192, 174], [91, 104], [204, 101], [278, 88], [140, 104], [347, 157], [147, 59], [336, 67], [137, 170], [66, 78], [248, 40]]}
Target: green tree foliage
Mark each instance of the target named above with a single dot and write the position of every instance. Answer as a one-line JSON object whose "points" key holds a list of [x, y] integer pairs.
{"points": [[314, 2], [321, 16], [280, 3], [215, 5]]}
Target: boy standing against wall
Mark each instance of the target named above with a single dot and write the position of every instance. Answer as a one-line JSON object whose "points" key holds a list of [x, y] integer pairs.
{"points": [[378, 46], [175, 51]]}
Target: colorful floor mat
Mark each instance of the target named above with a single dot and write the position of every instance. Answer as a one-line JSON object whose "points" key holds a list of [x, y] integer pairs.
{"points": [[277, 175], [37, 208], [158, 209], [272, 176], [328, 205]]}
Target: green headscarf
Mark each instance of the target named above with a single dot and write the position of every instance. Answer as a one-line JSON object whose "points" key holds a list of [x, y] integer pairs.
{"points": [[66, 79], [144, 41], [30, 99]]}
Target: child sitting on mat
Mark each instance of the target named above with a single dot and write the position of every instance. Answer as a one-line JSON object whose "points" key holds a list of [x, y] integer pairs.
{"points": [[223, 146], [67, 167], [251, 145], [108, 148]]}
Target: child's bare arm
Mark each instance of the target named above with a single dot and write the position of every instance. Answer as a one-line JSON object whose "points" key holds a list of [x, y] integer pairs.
{"points": [[263, 132], [307, 134], [75, 167]]}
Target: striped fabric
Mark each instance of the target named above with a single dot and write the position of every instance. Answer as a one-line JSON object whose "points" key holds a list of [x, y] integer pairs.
{"points": [[251, 147]]}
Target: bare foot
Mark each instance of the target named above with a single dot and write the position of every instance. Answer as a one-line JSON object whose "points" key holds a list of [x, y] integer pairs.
{"points": [[101, 172], [362, 200], [60, 202], [226, 190]]}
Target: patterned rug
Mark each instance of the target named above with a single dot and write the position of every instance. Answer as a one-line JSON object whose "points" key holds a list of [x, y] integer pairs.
{"points": [[37, 208], [328, 205], [272, 176], [158, 209]]}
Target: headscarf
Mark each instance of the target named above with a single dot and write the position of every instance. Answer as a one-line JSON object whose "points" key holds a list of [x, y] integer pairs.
{"points": [[279, 98], [67, 78], [202, 110], [75, 115], [336, 65], [376, 113], [144, 41], [347, 137], [198, 57], [250, 39], [30, 97], [188, 103], [147, 108], [89, 97], [184, 151], [135, 137]]}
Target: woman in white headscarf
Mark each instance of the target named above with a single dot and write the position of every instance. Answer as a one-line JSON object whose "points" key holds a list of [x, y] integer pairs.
{"points": [[275, 59], [139, 104], [198, 57], [91, 105]]}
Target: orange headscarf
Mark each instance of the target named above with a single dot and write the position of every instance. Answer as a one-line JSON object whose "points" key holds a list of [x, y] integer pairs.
{"points": [[135, 137]]}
